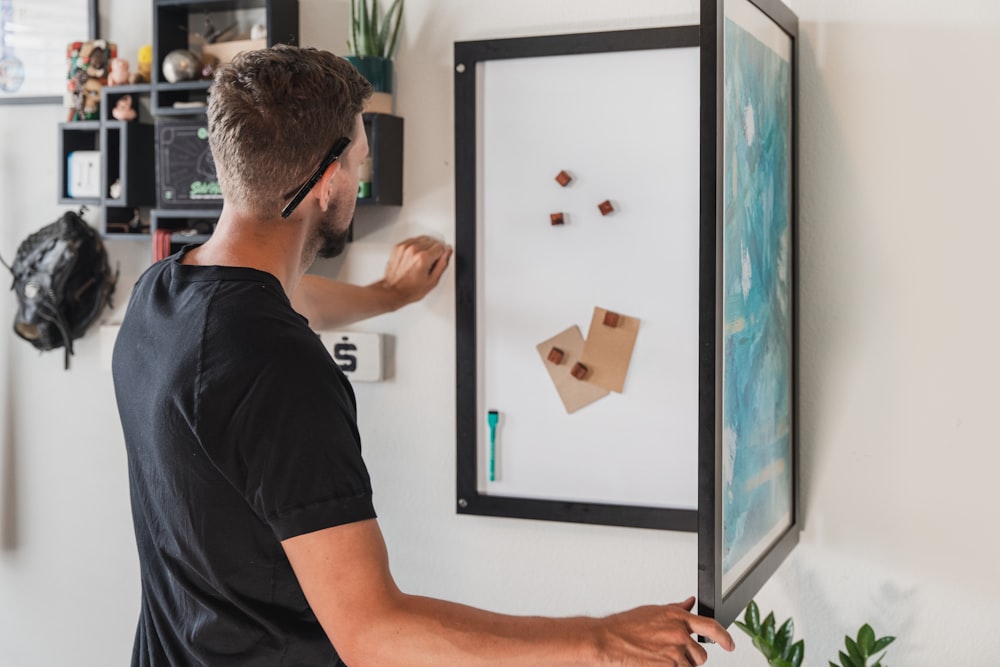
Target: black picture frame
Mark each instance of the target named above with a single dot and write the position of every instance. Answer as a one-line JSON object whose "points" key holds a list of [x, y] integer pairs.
{"points": [[720, 599], [469, 498], [93, 32]]}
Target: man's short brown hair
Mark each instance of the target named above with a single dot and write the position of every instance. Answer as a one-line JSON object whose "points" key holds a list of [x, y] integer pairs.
{"points": [[272, 116]]}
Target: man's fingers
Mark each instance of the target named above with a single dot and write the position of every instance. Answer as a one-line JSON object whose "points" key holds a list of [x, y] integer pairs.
{"points": [[710, 628], [441, 263], [706, 627], [435, 256], [697, 654], [423, 242], [687, 605], [425, 247]]}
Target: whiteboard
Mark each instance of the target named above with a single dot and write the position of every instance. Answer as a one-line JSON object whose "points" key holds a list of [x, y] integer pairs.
{"points": [[625, 125]]}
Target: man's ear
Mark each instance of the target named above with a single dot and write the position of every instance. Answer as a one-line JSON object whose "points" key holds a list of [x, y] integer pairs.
{"points": [[326, 187]]}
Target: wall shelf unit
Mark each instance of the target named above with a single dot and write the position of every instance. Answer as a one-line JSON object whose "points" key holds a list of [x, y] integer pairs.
{"points": [[131, 153]]}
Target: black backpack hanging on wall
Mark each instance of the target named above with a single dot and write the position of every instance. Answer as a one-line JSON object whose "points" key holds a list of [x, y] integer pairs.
{"points": [[63, 281]]}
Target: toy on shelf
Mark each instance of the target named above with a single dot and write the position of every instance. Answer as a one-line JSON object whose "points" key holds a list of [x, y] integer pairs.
{"points": [[87, 73], [119, 75], [144, 65], [124, 108]]}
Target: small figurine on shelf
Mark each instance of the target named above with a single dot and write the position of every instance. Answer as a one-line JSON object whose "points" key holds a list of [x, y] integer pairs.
{"points": [[86, 97], [94, 56], [87, 72], [119, 75], [123, 109], [144, 65], [115, 189]]}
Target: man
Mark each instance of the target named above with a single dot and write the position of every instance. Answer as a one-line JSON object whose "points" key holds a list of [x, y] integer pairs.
{"points": [[252, 506]]}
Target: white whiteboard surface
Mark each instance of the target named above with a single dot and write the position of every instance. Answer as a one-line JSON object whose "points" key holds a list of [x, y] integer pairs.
{"points": [[626, 126]]}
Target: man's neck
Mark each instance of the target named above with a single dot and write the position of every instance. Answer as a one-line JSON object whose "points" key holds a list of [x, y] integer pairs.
{"points": [[272, 246]]}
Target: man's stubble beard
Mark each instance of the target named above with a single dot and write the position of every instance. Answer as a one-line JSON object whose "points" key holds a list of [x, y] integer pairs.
{"points": [[330, 237]]}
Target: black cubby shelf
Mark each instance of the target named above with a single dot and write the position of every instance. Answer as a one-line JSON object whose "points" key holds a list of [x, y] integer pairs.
{"points": [[140, 95], [174, 21], [126, 159], [385, 145], [83, 135], [122, 152], [125, 223], [186, 225], [127, 148]]}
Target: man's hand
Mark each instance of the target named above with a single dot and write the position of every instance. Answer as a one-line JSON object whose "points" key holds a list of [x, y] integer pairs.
{"points": [[661, 635], [414, 269]]}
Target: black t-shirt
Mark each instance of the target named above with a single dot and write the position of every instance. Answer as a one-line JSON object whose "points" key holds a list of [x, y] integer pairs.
{"points": [[241, 432]]}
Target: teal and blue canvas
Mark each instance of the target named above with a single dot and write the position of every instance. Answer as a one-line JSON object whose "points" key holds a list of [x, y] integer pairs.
{"points": [[756, 313]]}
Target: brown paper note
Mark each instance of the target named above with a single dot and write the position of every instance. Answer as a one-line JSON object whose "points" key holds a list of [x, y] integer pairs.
{"points": [[575, 394], [608, 351]]}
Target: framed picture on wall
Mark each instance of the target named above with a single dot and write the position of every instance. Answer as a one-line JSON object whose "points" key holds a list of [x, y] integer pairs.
{"points": [[34, 35], [749, 511], [577, 277]]}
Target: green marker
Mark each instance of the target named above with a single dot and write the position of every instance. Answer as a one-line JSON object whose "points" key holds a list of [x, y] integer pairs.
{"points": [[492, 420]]}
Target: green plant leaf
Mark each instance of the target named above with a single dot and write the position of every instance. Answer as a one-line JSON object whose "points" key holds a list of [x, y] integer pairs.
{"points": [[382, 31], [854, 651], [352, 40], [744, 627], [866, 640], [765, 647], [376, 44], [752, 617], [393, 20], [779, 662], [848, 661], [364, 28], [881, 644], [373, 34], [783, 638], [767, 628], [797, 653], [394, 41]]}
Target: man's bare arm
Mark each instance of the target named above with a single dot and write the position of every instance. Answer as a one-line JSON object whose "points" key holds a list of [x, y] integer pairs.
{"points": [[344, 573], [414, 269]]}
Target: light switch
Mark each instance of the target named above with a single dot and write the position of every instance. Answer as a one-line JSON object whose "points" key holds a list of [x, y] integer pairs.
{"points": [[359, 355]]}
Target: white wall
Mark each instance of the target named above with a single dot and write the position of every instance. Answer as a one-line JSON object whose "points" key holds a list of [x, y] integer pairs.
{"points": [[899, 370]]}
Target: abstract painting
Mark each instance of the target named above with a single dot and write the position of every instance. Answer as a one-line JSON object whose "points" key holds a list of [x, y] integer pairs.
{"points": [[757, 298], [748, 510]]}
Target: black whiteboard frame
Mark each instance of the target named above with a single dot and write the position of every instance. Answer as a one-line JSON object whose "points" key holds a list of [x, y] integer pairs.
{"points": [[711, 601], [469, 499]]}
